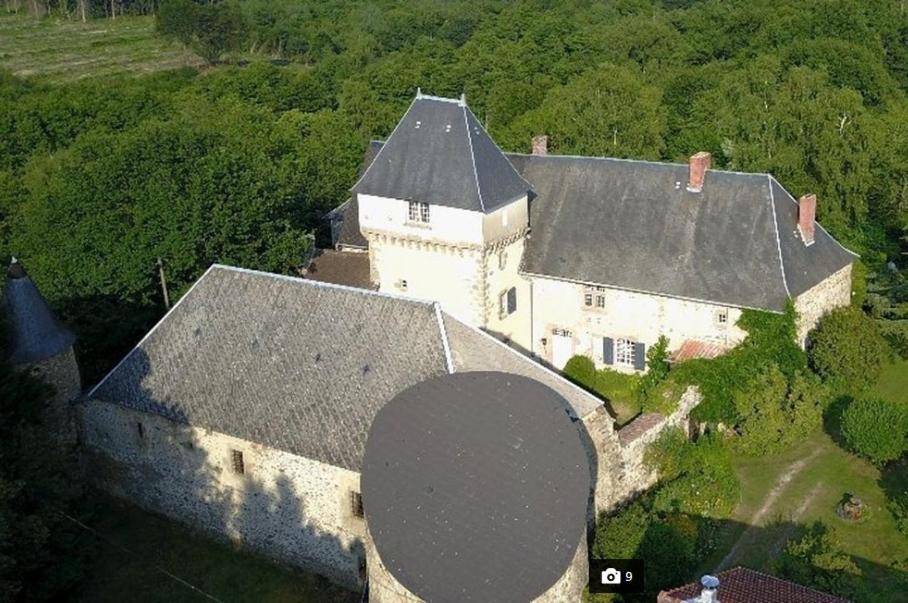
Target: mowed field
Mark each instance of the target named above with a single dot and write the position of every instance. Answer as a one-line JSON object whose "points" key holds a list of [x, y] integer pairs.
{"points": [[60, 50]]}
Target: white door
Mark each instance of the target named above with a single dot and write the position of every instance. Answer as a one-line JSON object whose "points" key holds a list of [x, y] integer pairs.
{"points": [[562, 350]]}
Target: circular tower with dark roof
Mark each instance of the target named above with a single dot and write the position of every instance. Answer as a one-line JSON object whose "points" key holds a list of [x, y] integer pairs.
{"points": [[475, 488], [38, 342]]}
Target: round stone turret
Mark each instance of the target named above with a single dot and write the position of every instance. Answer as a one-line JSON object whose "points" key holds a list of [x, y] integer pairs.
{"points": [[38, 342]]}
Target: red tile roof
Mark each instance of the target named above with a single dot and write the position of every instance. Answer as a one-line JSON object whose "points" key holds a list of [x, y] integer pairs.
{"points": [[743, 585], [694, 348]]}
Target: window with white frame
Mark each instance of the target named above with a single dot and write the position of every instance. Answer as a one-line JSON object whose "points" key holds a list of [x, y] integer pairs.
{"points": [[600, 301], [419, 212], [594, 296], [722, 316], [624, 351], [588, 300]]}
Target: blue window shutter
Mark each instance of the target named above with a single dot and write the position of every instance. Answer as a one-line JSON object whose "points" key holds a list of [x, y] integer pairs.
{"points": [[608, 350], [512, 300], [639, 356]]}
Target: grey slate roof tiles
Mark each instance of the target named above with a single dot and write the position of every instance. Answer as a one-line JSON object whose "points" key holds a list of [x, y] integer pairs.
{"points": [[475, 488], [288, 363], [440, 154], [35, 333], [298, 365]]}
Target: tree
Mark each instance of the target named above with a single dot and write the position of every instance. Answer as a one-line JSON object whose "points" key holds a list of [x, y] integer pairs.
{"points": [[876, 429], [210, 29], [816, 559], [847, 348]]}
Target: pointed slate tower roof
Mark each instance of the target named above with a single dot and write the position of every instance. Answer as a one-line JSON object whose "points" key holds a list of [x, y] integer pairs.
{"points": [[439, 153], [34, 332]]}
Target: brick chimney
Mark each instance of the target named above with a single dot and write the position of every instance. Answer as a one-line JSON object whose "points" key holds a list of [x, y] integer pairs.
{"points": [[541, 145], [696, 172], [807, 215]]}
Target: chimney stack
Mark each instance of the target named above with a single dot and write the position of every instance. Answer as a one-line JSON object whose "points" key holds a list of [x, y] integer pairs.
{"points": [[696, 172], [541, 145], [710, 591], [807, 215]]}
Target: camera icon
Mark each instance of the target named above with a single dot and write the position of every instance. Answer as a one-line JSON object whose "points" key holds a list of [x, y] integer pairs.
{"points": [[610, 576]]}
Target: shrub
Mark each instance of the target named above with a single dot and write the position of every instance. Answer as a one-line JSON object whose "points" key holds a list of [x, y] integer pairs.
{"points": [[817, 560], [619, 536], [657, 368], [582, 371], [848, 349], [617, 386], [876, 429]]}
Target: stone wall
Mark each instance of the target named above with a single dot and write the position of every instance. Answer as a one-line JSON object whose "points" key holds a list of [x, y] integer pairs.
{"points": [[631, 474], [291, 509], [385, 588], [640, 317], [62, 373], [831, 293]]}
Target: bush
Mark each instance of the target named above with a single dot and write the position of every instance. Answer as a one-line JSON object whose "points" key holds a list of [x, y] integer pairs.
{"points": [[582, 371], [774, 415], [848, 349], [876, 429], [657, 368], [818, 561]]}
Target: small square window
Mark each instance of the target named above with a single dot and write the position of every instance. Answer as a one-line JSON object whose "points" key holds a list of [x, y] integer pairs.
{"points": [[600, 301], [356, 504], [722, 317], [588, 299], [403, 284], [419, 212], [239, 465]]}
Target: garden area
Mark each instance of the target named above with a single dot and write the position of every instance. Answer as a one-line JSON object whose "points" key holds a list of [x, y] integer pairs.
{"points": [[801, 471]]}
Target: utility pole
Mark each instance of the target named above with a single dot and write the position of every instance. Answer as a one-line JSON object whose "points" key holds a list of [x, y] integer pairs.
{"points": [[163, 284]]}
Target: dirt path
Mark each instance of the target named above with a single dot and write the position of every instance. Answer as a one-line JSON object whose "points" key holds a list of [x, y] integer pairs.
{"points": [[756, 521]]}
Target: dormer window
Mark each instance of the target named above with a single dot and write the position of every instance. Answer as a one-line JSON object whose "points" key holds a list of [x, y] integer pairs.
{"points": [[419, 212]]}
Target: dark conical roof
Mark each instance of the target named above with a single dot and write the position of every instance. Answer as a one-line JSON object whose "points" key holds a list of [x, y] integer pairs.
{"points": [[439, 153], [34, 332]]}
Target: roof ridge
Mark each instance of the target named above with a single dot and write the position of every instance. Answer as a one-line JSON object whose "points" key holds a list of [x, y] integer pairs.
{"points": [[625, 160], [775, 224], [444, 338], [167, 314], [528, 360], [466, 124]]}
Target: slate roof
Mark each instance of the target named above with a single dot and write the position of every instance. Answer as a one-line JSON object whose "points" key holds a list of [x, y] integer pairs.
{"points": [[475, 488], [633, 225], [350, 236], [293, 364], [34, 332], [297, 365], [440, 153], [743, 585]]}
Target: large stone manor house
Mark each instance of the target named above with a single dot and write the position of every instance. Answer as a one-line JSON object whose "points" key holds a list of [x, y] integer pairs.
{"points": [[282, 413], [565, 255]]}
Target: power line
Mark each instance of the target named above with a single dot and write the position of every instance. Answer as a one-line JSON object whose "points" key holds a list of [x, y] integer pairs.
{"points": [[129, 552]]}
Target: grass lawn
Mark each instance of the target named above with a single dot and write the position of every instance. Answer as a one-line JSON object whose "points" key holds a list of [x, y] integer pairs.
{"points": [[893, 382], [217, 569], [812, 494], [60, 50]]}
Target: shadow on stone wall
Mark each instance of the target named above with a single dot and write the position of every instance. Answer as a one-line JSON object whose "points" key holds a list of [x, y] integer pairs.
{"points": [[167, 470]]}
